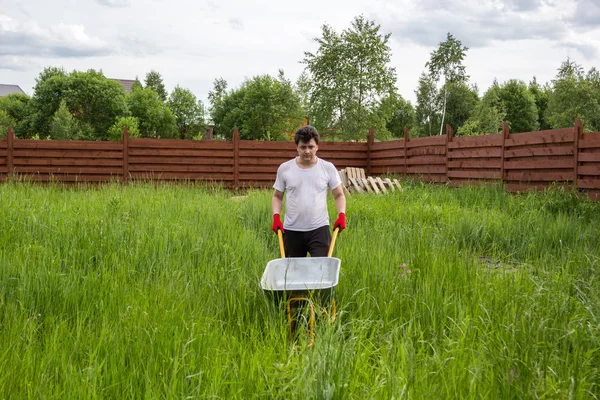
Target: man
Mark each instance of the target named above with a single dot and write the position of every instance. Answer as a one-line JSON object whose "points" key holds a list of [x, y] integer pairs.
{"points": [[306, 180]]}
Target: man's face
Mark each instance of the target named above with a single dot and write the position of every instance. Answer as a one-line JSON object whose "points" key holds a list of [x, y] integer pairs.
{"points": [[307, 151]]}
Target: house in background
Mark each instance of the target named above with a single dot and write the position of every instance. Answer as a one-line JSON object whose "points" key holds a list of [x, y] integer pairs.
{"points": [[126, 83], [5, 90]]}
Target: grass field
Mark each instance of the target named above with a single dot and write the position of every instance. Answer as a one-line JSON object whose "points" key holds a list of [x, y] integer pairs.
{"points": [[153, 292]]}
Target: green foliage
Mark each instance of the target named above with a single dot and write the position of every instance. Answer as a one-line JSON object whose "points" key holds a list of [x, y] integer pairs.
{"points": [[154, 117], [461, 100], [188, 112], [18, 110], [116, 131], [155, 82], [446, 62], [426, 112], [398, 113], [346, 79], [262, 108], [5, 121], [519, 105], [62, 126], [487, 116], [93, 100], [541, 94], [574, 95]]}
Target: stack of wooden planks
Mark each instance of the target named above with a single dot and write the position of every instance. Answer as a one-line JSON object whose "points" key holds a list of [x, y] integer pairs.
{"points": [[354, 180]]}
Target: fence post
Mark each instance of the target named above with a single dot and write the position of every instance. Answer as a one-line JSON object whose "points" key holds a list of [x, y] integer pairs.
{"points": [[236, 158], [370, 140], [578, 132], [505, 135], [406, 139], [125, 141], [10, 139], [449, 134]]}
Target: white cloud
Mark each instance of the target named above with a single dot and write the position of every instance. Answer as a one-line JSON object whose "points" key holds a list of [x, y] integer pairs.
{"points": [[114, 3], [61, 40]]}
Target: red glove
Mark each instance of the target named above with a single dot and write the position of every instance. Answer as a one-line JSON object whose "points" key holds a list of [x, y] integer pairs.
{"points": [[340, 222], [277, 223]]}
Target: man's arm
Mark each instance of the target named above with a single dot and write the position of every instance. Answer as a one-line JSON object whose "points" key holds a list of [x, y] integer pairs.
{"points": [[277, 201], [340, 199]]}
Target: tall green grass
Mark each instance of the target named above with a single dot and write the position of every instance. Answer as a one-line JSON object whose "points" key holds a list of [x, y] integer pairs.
{"points": [[146, 291]]}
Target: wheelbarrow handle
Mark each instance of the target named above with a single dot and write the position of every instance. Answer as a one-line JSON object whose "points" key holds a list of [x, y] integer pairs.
{"points": [[335, 233], [281, 249]]}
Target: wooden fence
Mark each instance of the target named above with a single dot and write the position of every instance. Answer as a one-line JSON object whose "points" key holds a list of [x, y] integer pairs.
{"points": [[522, 161]]}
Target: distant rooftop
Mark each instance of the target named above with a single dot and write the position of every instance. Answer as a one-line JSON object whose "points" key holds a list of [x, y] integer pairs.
{"points": [[8, 89], [126, 83]]}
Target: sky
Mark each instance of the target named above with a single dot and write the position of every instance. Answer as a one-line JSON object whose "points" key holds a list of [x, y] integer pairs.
{"points": [[191, 43]]}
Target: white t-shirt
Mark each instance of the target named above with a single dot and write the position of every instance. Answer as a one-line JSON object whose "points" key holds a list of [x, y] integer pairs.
{"points": [[306, 193]]}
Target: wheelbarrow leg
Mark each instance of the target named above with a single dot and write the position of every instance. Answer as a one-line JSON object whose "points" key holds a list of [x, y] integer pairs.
{"points": [[292, 321]]}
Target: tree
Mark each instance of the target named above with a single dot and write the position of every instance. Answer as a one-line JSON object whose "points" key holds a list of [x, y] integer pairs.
{"points": [[447, 61], [487, 116], [16, 109], [574, 95], [116, 131], [48, 92], [93, 100], [348, 76], [154, 117], [62, 126], [519, 105], [188, 112], [461, 100], [262, 108], [426, 112], [398, 113], [154, 81], [541, 94]]}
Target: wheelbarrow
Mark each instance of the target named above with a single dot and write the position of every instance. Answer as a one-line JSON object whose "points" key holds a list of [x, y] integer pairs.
{"points": [[303, 280]]}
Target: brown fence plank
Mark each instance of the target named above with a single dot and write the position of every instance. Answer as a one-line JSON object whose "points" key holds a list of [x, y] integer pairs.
{"points": [[589, 144], [424, 151], [180, 160], [463, 142], [391, 145], [549, 176], [66, 145], [540, 151], [552, 136], [72, 153], [180, 144], [589, 170], [475, 153], [182, 176], [589, 157], [67, 162], [180, 168], [387, 162], [387, 154], [588, 183], [427, 160], [476, 163], [68, 170], [538, 164], [427, 169], [266, 153], [474, 174], [179, 153], [427, 141]]}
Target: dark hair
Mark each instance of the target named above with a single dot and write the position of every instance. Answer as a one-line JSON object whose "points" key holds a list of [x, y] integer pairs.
{"points": [[305, 134]]}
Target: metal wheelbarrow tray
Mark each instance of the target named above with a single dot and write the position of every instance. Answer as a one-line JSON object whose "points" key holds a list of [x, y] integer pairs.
{"points": [[312, 276]]}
